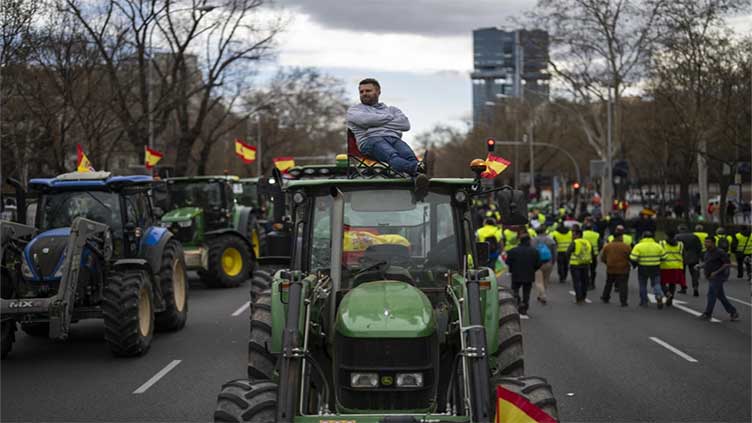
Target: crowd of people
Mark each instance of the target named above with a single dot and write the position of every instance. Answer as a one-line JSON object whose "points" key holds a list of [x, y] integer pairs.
{"points": [[530, 252]]}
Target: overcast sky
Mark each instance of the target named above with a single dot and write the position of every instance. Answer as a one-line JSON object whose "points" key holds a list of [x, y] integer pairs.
{"points": [[419, 50]]}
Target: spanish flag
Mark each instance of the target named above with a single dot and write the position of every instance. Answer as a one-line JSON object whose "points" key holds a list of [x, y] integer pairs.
{"points": [[494, 166], [152, 157], [284, 163], [245, 151], [82, 162], [512, 407]]}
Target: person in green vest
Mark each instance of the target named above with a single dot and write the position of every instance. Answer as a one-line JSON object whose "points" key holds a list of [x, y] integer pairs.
{"points": [[563, 237], [580, 254], [722, 240], [672, 267], [741, 246], [511, 237], [701, 235], [594, 238], [647, 256]]}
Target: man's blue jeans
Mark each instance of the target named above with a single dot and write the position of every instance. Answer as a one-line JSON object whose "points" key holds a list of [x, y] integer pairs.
{"points": [[655, 282], [715, 291], [393, 151]]}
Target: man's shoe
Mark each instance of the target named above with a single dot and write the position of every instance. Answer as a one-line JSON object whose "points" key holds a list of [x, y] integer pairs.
{"points": [[697, 293], [734, 317], [704, 316], [669, 301], [421, 186], [659, 300]]}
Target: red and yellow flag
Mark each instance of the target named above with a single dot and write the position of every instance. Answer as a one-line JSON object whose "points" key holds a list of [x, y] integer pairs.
{"points": [[245, 151], [152, 157], [82, 162], [512, 407], [284, 163], [494, 166]]}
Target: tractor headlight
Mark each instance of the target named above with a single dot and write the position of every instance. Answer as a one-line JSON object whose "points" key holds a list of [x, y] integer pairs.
{"points": [[364, 380], [26, 270], [185, 223], [410, 380]]}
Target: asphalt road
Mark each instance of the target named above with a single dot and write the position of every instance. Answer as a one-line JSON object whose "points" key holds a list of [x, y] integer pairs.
{"points": [[606, 363]]}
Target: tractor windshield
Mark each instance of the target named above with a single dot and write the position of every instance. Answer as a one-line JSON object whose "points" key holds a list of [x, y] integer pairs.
{"points": [[388, 235], [60, 209], [195, 194], [246, 193]]}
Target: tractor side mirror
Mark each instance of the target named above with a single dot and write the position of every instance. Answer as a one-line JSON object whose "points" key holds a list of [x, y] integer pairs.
{"points": [[513, 207], [484, 253]]}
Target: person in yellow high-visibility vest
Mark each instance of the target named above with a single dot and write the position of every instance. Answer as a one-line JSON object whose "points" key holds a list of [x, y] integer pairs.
{"points": [[594, 238], [722, 240], [511, 237], [563, 237], [626, 238], [741, 246], [647, 256], [701, 235], [491, 234], [672, 266], [580, 257]]}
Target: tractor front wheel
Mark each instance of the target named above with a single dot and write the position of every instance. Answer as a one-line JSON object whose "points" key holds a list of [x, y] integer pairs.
{"points": [[245, 401], [261, 362], [230, 262], [128, 309], [509, 359], [535, 390], [174, 284]]}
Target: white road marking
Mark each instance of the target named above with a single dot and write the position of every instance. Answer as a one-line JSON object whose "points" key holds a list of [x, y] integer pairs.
{"points": [[678, 305], [738, 301], [587, 300], [242, 308], [160, 374], [674, 350]]}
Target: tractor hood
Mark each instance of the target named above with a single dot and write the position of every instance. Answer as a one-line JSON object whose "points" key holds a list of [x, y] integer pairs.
{"points": [[181, 214], [43, 256], [385, 309]]}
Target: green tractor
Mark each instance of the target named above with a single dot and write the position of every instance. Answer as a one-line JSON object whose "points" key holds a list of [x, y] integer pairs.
{"points": [[387, 315], [219, 236]]}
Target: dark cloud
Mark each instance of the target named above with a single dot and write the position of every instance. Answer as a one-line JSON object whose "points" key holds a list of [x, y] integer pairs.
{"points": [[424, 17]]}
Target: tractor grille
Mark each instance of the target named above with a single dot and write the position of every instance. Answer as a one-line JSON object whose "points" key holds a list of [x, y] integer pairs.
{"points": [[387, 357], [46, 262]]}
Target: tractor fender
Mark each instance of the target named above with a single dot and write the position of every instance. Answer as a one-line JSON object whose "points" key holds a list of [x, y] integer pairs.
{"points": [[152, 247], [230, 231], [133, 262]]}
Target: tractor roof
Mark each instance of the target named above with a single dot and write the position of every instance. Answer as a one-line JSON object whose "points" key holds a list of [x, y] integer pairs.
{"points": [[208, 178], [375, 183], [92, 180]]}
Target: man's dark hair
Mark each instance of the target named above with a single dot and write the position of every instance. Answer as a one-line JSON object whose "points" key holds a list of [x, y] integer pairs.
{"points": [[370, 81], [489, 221]]}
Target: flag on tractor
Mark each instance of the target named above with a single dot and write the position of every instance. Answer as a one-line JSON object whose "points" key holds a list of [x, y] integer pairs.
{"points": [[245, 151], [284, 163], [82, 162], [512, 407], [152, 157], [495, 165]]}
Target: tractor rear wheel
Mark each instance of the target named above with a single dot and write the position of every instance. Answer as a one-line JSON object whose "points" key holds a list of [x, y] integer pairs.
{"points": [[7, 336], [244, 401], [39, 330], [230, 262], [258, 285], [174, 284], [128, 308], [509, 358], [534, 389], [261, 362]]}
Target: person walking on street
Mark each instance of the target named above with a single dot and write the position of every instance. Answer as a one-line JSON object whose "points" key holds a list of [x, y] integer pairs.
{"points": [[580, 255], [701, 235], [594, 238], [722, 240], [716, 264], [647, 256], [563, 237], [692, 255], [523, 262], [672, 267], [742, 248], [543, 275], [616, 256]]}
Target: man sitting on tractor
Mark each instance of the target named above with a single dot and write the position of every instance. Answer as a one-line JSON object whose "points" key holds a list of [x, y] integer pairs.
{"points": [[378, 131]]}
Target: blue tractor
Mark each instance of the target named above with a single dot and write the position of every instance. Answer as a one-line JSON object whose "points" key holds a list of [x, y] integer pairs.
{"points": [[96, 251]]}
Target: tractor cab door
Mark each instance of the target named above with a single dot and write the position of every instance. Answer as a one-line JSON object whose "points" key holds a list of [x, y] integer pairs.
{"points": [[218, 206], [138, 217]]}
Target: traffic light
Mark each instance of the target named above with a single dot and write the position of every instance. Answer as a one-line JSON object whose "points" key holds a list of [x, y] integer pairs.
{"points": [[490, 143], [576, 187]]}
